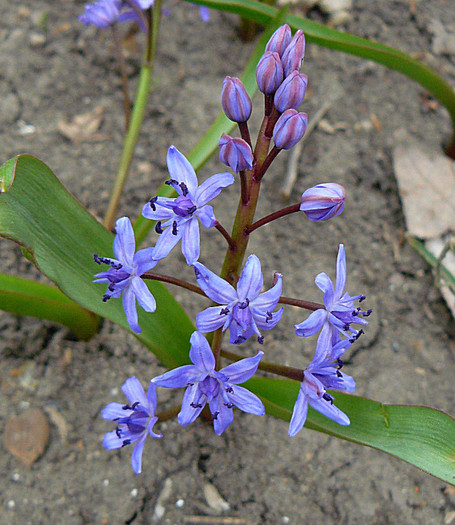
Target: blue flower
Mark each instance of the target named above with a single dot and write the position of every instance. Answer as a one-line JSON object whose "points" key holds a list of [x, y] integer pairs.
{"points": [[134, 421], [245, 310], [322, 373], [181, 214], [219, 388], [105, 13], [339, 311], [125, 272]]}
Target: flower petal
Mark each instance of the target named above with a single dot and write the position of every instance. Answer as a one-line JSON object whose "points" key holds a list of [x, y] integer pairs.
{"points": [[214, 287], [207, 216], [312, 324], [129, 305], [341, 272], [143, 294], [114, 411], [268, 300], [151, 398], [251, 280], [189, 413], [201, 354], [166, 241], [242, 370], [181, 170], [160, 213], [210, 319], [144, 261], [178, 377], [136, 456], [299, 414], [134, 392], [212, 187], [190, 240], [266, 322], [124, 242], [323, 346], [111, 440], [222, 415], [150, 425], [328, 409], [246, 401], [324, 283]]}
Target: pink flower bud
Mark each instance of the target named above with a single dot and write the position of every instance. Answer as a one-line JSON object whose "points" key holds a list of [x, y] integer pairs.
{"points": [[324, 201]]}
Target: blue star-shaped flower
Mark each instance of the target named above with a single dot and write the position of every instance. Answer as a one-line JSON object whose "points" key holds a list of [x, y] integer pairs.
{"points": [[124, 276], [182, 213], [339, 311], [245, 310], [219, 388], [322, 373], [134, 421]]}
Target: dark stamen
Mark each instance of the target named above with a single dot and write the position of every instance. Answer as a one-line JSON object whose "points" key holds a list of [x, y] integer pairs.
{"points": [[339, 374], [261, 339], [106, 297], [362, 298], [126, 442], [215, 415], [174, 228], [269, 316], [245, 304], [229, 405], [118, 432], [224, 311], [239, 340], [152, 203], [184, 189], [171, 182], [134, 405], [328, 397], [340, 364], [195, 405]]}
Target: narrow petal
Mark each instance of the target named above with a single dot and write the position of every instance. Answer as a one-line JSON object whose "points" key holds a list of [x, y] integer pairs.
{"points": [[166, 241], [239, 335], [210, 319], [312, 324], [181, 170], [251, 280], [267, 322], [160, 213], [212, 187], [190, 240], [136, 456], [151, 397], [189, 413], [144, 261], [242, 370], [150, 428], [114, 411], [124, 242], [324, 283], [299, 414], [246, 401], [207, 216], [341, 272], [134, 392], [328, 409], [177, 378], [201, 354], [268, 300], [111, 441], [214, 287], [129, 305], [143, 294], [323, 346], [223, 416]]}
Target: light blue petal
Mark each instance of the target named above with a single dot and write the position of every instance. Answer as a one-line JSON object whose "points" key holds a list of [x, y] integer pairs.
{"points": [[246, 401], [212, 187], [207, 216], [242, 370], [268, 300], [177, 378], [299, 414], [201, 354], [341, 272], [328, 409], [239, 335], [136, 456], [129, 305], [181, 170], [324, 283], [134, 392], [210, 319], [150, 425], [224, 415], [151, 398], [144, 261], [251, 280], [323, 346], [190, 240], [264, 322], [188, 413], [312, 324], [124, 242], [111, 441], [143, 294], [214, 287], [114, 411], [166, 241], [160, 213]]}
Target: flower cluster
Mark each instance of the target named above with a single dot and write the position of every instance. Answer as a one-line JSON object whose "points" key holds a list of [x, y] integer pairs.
{"points": [[238, 302]]}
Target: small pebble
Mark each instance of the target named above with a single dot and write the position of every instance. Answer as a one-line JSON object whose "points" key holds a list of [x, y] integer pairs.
{"points": [[11, 504], [179, 503], [133, 493]]}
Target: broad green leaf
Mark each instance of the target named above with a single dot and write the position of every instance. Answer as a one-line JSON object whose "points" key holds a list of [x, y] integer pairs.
{"points": [[25, 297], [422, 436], [38, 213], [325, 36]]}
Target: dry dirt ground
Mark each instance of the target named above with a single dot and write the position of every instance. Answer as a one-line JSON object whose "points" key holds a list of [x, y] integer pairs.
{"points": [[407, 355]]}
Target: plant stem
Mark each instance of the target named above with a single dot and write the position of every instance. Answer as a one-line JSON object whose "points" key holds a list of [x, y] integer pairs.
{"points": [[308, 305], [129, 144], [225, 234], [273, 216], [172, 280], [121, 59]]}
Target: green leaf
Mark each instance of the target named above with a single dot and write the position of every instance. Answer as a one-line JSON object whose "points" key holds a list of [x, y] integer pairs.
{"points": [[38, 213], [333, 39], [422, 436], [25, 297]]}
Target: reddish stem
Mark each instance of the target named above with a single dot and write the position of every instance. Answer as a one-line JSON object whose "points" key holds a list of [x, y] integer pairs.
{"points": [[273, 216]]}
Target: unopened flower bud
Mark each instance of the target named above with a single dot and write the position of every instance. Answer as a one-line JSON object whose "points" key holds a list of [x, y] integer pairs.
{"points": [[289, 129], [235, 100], [235, 153], [269, 73], [294, 53], [291, 92], [280, 40], [324, 201]]}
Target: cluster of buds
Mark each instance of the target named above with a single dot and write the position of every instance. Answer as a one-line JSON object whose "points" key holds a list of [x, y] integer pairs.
{"points": [[238, 304]]}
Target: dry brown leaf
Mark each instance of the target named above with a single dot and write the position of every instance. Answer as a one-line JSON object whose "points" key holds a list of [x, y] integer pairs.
{"points": [[426, 182], [26, 436], [83, 127]]}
